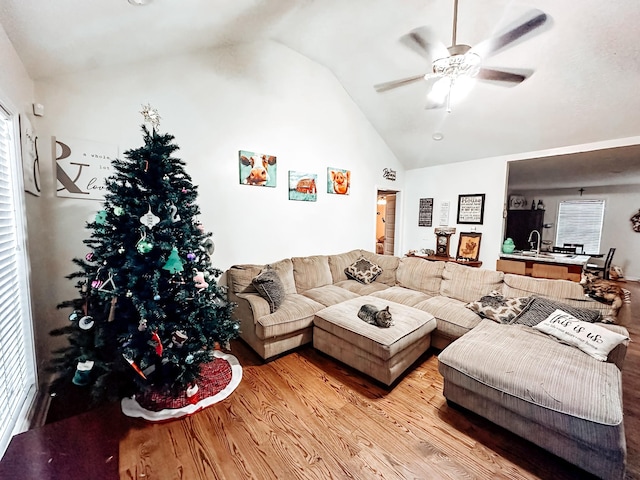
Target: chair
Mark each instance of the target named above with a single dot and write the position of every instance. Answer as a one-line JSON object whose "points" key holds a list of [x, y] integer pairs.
{"points": [[564, 249], [605, 267], [578, 246]]}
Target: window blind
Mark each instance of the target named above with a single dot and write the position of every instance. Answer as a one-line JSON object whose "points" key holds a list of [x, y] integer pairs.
{"points": [[17, 377], [580, 221]]}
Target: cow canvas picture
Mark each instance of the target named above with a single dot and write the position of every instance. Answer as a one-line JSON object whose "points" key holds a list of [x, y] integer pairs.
{"points": [[303, 186], [338, 181], [257, 169]]}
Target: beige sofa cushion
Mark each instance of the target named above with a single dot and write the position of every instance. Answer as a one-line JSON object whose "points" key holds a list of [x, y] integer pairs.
{"points": [[295, 313], [240, 277], [401, 295], [421, 275], [311, 272], [389, 265], [361, 288], [468, 283], [453, 317], [284, 268], [337, 264], [329, 294], [564, 291]]}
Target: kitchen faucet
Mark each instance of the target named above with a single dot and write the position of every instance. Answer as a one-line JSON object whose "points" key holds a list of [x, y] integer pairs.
{"points": [[538, 241]]}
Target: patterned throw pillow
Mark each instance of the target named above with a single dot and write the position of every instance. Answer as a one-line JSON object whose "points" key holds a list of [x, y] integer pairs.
{"points": [[363, 271], [498, 308], [540, 308], [270, 287], [591, 338]]}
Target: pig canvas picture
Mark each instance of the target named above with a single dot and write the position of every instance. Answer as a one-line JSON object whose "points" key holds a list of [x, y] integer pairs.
{"points": [[257, 169], [303, 186], [338, 181]]}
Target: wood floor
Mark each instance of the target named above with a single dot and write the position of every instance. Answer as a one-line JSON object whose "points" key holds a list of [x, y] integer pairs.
{"points": [[306, 416]]}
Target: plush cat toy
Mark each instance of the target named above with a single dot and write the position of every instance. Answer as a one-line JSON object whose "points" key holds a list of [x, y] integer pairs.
{"points": [[370, 314]]}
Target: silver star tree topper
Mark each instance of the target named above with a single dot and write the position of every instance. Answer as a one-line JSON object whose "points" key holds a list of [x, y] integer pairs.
{"points": [[151, 115]]}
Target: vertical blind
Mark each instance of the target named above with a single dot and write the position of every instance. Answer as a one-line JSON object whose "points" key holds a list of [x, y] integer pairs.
{"points": [[580, 221], [17, 377]]}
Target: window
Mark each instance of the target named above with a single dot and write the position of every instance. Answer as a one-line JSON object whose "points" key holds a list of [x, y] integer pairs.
{"points": [[17, 366], [580, 221]]}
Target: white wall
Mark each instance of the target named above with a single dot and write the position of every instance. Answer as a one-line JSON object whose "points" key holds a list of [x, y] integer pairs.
{"points": [[445, 183], [621, 203], [264, 98]]}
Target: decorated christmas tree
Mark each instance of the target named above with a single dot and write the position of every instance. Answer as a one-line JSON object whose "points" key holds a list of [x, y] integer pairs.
{"points": [[150, 314]]}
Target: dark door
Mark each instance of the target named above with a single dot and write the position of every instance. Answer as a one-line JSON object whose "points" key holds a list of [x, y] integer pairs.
{"points": [[520, 224]]}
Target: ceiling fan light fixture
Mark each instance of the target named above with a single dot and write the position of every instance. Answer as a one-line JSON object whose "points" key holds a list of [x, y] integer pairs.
{"points": [[467, 64], [139, 3]]}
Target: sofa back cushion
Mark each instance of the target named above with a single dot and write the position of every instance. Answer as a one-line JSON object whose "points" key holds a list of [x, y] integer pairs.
{"points": [[239, 278], [564, 291], [389, 265], [468, 284], [311, 272], [421, 275], [337, 264]]}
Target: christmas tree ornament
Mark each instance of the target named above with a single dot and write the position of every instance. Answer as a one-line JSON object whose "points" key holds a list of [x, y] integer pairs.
{"points": [[157, 297], [121, 250], [118, 211], [144, 246], [199, 280], [83, 373], [83, 287], [208, 246], [96, 283], [175, 217], [75, 315], [101, 217], [89, 257], [142, 325], [135, 367], [149, 219], [189, 359], [191, 256], [155, 339], [165, 178], [86, 322], [173, 264], [129, 294], [192, 394], [108, 285], [178, 338], [112, 310]]}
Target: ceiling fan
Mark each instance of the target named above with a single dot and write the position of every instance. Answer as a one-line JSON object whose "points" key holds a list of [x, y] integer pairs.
{"points": [[457, 65]]}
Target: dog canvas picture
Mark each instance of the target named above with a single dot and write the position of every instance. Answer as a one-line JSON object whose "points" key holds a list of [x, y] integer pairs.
{"points": [[338, 181], [257, 169]]}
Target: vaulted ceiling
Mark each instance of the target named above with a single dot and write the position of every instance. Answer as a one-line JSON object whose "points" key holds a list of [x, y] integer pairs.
{"points": [[585, 60]]}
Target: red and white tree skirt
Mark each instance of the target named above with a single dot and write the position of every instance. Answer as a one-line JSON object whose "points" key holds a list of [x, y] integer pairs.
{"points": [[220, 377]]}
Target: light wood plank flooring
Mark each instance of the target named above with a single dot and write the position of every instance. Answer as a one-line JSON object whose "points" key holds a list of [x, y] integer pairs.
{"points": [[306, 416]]}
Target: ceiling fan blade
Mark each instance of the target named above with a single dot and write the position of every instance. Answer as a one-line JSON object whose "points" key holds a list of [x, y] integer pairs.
{"points": [[513, 77], [422, 41], [383, 87], [494, 44]]}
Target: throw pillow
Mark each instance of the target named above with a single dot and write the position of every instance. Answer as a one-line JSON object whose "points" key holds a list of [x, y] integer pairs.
{"points": [[592, 339], [363, 271], [498, 308], [540, 308], [270, 287]]}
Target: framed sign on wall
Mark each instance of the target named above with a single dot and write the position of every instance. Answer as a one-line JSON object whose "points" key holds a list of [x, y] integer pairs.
{"points": [[471, 209]]}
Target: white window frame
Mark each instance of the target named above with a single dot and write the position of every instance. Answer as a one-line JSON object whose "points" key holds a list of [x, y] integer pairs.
{"points": [[579, 224], [17, 419]]}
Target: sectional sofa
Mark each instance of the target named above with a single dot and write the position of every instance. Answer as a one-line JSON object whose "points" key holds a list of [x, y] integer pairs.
{"points": [[494, 359]]}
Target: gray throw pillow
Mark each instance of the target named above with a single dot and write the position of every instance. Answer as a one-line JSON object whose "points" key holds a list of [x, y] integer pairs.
{"points": [[270, 287], [540, 308]]}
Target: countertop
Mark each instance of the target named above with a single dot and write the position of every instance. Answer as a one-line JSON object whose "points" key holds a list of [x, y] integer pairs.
{"points": [[548, 257]]}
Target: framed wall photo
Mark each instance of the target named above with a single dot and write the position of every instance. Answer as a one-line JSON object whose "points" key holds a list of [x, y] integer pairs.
{"points": [[471, 209], [425, 212], [469, 246]]}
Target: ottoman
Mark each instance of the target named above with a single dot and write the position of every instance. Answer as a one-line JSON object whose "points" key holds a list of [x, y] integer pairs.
{"points": [[552, 394], [381, 353]]}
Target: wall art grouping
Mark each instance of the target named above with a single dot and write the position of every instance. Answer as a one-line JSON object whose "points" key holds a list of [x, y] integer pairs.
{"points": [[259, 169]]}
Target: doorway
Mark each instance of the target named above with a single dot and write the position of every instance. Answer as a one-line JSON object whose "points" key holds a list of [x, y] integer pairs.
{"points": [[385, 222]]}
